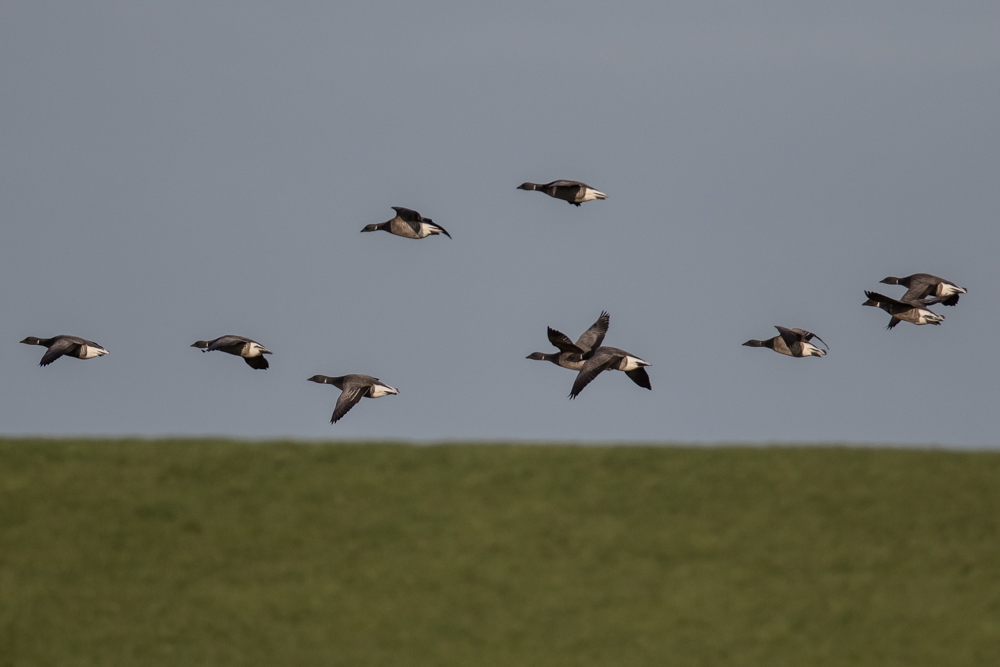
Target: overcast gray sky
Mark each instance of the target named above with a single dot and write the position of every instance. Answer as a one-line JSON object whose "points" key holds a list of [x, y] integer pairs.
{"points": [[183, 170]]}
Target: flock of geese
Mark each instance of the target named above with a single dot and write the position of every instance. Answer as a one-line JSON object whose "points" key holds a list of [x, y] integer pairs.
{"points": [[587, 356], [922, 290]]}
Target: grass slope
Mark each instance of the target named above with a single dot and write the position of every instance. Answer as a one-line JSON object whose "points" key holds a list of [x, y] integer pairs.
{"points": [[219, 553]]}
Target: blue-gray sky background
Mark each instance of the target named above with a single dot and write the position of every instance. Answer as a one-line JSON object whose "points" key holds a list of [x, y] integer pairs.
{"points": [[184, 170]]}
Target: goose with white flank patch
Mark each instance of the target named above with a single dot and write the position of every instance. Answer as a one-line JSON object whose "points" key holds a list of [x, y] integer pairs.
{"points": [[66, 346], [574, 192], [251, 351], [352, 389], [611, 359], [792, 342], [408, 224], [573, 355], [915, 312], [921, 285]]}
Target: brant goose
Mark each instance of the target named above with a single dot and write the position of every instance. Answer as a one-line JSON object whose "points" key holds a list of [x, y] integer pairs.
{"points": [[611, 359], [408, 224], [921, 285], [793, 342], [251, 351], [908, 311], [352, 389], [68, 346], [572, 355], [574, 192]]}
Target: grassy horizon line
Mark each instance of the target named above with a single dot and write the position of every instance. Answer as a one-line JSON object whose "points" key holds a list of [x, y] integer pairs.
{"points": [[447, 442]]}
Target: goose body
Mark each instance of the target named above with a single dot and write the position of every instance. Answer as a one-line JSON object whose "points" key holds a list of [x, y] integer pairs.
{"points": [[251, 351], [921, 285], [66, 346], [574, 192], [914, 312], [352, 389], [611, 359], [791, 342], [408, 224], [572, 355]]}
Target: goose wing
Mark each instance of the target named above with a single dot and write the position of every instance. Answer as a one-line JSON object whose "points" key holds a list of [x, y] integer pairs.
{"points": [[791, 337], [946, 300], [809, 335], [640, 377], [230, 344], [443, 230], [58, 349], [921, 285], [592, 338], [592, 368], [348, 399], [562, 183], [562, 341], [258, 363], [410, 217], [881, 298]]}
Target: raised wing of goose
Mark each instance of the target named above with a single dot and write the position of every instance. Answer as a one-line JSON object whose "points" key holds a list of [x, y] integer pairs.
{"points": [[420, 226], [562, 341], [410, 217], [592, 338], [798, 336]]}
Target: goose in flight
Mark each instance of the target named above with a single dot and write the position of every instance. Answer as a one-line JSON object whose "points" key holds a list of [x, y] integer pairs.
{"points": [[66, 346], [611, 359], [251, 351], [915, 312], [408, 224], [792, 342], [574, 192], [352, 389], [921, 285]]}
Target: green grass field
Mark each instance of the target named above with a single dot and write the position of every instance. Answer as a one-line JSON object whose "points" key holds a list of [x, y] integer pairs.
{"points": [[218, 553]]}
